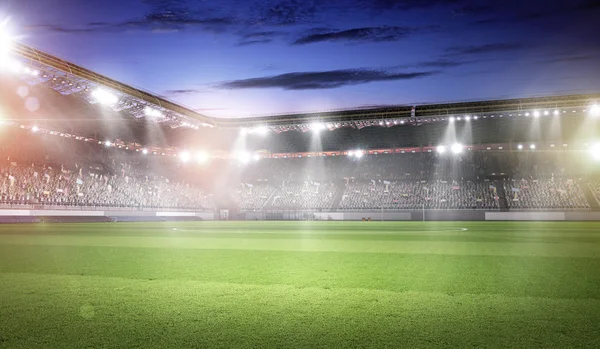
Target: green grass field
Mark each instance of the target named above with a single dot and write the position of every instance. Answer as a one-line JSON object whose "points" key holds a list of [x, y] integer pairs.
{"points": [[300, 285]]}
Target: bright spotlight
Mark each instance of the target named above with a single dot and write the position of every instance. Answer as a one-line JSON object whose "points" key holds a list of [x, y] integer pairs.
{"points": [[520, 146], [256, 157], [556, 112], [107, 143], [34, 129], [456, 148], [536, 113], [468, 118], [532, 146], [359, 153], [317, 126], [184, 156], [595, 110], [452, 118], [458, 118], [244, 157], [546, 112], [260, 130], [6, 42], [350, 153], [526, 114], [441, 149], [145, 151], [202, 157], [105, 97], [595, 151], [244, 131], [151, 112], [475, 117]]}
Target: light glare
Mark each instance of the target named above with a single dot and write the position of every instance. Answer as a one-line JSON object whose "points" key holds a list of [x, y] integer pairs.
{"points": [[105, 97], [456, 148]]}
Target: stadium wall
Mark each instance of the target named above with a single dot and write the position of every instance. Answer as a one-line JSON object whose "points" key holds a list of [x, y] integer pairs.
{"points": [[18, 215]]}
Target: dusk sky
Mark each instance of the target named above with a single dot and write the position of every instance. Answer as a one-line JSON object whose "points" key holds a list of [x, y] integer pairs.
{"points": [[235, 58]]}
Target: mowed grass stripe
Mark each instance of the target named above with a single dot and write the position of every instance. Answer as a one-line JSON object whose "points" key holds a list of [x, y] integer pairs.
{"points": [[159, 228], [445, 273], [492, 248], [52, 311]]}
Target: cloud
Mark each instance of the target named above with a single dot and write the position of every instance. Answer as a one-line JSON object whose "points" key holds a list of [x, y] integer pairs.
{"points": [[372, 34], [570, 59], [323, 79], [484, 49], [181, 92], [261, 37], [382, 5], [440, 63], [287, 12]]}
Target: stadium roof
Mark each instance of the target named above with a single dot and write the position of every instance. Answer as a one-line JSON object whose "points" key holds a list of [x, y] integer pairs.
{"points": [[67, 76]]}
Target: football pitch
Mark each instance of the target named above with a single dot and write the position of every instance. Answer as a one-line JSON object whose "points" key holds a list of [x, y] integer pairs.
{"points": [[300, 285]]}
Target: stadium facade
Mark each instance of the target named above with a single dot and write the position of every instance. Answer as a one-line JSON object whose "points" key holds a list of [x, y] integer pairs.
{"points": [[84, 145]]}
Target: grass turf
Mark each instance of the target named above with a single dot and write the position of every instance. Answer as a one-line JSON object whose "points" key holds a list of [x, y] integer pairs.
{"points": [[300, 284]]}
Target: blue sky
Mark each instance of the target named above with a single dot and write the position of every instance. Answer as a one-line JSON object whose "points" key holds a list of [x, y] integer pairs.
{"points": [[235, 58]]}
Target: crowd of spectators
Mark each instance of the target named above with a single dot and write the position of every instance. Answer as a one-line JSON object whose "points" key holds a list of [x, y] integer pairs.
{"points": [[306, 195], [550, 193], [418, 194], [56, 173]]}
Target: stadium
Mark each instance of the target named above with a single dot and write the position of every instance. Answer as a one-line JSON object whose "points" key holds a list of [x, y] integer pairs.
{"points": [[133, 221]]}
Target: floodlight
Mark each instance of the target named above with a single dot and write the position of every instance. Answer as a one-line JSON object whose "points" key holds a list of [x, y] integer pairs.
{"points": [[452, 119], [107, 143], [458, 118], [441, 149], [467, 118], [546, 112], [151, 112], [317, 126], [261, 130], [595, 151], [359, 153], [532, 146], [185, 156], [456, 148], [350, 153], [6, 43], [105, 97], [475, 117], [402, 122], [556, 112], [595, 110], [145, 151], [520, 146], [536, 113], [34, 129], [244, 131], [526, 114], [244, 157], [202, 157], [256, 157]]}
